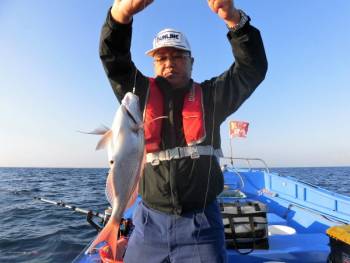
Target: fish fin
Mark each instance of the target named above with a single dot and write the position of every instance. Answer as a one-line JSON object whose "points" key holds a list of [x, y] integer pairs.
{"points": [[109, 190], [109, 234], [104, 140], [106, 252], [101, 130], [98, 131]]}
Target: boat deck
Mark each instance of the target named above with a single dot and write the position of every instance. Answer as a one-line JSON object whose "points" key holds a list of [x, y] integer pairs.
{"points": [[310, 247], [305, 209], [291, 248]]}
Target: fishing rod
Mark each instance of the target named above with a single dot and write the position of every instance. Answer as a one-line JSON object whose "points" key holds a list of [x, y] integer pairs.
{"points": [[126, 225], [89, 213], [71, 207]]}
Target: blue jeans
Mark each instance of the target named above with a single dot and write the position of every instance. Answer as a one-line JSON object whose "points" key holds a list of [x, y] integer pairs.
{"points": [[192, 237]]}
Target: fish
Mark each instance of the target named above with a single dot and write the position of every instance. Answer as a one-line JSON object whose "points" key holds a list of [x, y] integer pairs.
{"points": [[126, 156]]}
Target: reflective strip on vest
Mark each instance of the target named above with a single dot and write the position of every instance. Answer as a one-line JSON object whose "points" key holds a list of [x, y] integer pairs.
{"points": [[181, 152], [192, 117]]}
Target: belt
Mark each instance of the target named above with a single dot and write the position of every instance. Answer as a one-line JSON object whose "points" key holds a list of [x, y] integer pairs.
{"points": [[181, 152]]}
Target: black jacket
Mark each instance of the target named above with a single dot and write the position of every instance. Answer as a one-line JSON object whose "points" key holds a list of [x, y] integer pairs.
{"points": [[179, 186]]}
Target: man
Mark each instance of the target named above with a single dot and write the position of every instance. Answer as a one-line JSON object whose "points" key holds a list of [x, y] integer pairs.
{"points": [[178, 219]]}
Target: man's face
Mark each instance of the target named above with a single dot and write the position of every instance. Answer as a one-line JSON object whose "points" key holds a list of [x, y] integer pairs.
{"points": [[173, 64]]}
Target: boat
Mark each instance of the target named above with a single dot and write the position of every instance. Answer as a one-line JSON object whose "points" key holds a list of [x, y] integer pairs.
{"points": [[294, 222]]}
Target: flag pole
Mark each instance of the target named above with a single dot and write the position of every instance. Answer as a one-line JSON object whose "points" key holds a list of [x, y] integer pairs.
{"points": [[231, 138], [231, 150]]}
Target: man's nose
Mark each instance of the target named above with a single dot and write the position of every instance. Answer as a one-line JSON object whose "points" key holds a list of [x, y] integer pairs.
{"points": [[169, 61]]}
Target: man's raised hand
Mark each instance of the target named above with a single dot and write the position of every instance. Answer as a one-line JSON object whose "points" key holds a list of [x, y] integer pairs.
{"points": [[123, 10], [226, 10]]}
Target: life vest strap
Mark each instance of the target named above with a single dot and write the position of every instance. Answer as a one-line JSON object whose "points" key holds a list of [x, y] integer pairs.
{"points": [[181, 152]]}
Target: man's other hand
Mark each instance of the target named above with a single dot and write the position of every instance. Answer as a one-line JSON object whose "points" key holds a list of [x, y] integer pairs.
{"points": [[123, 10]]}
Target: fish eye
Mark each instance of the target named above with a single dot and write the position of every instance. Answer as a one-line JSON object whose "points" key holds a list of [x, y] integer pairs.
{"points": [[111, 162]]}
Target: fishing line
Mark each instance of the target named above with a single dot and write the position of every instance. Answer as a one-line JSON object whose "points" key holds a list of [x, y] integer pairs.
{"points": [[209, 172], [134, 86], [231, 152], [160, 117]]}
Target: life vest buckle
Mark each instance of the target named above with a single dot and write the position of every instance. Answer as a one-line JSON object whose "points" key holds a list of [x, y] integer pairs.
{"points": [[195, 153], [155, 162]]}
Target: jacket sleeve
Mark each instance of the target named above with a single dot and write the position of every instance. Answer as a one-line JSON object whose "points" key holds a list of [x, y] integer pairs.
{"points": [[115, 43], [234, 86]]}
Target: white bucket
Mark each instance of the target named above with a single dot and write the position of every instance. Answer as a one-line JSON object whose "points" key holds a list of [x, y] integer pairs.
{"points": [[280, 230]]}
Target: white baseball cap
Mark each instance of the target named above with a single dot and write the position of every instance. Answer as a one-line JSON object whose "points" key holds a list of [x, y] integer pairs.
{"points": [[169, 38]]}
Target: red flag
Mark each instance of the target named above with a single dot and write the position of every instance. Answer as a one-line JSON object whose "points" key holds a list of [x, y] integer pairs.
{"points": [[238, 128]]}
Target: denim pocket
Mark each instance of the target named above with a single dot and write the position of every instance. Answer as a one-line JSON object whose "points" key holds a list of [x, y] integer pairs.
{"points": [[138, 216], [154, 227]]}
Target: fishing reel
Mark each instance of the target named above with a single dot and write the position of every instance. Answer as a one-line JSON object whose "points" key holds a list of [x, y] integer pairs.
{"points": [[125, 228], [126, 225]]}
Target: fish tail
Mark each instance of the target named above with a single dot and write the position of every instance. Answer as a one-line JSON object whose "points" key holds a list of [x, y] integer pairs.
{"points": [[109, 234]]}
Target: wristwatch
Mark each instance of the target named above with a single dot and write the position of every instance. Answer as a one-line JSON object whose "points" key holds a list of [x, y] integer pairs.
{"points": [[242, 22]]}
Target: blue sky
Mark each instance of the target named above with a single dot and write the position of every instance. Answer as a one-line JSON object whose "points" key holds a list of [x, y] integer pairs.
{"points": [[52, 82]]}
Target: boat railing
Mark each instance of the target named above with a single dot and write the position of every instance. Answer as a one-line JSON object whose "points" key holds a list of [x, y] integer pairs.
{"points": [[248, 161]]}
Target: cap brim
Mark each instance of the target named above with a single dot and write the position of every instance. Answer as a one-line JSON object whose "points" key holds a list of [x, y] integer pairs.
{"points": [[152, 51]]}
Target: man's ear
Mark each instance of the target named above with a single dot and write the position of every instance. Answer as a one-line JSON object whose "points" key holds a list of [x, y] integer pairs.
{"points": [[192, 61]]}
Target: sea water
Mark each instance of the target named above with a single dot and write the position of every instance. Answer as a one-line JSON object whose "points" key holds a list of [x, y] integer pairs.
{"points": [[33, 231]]}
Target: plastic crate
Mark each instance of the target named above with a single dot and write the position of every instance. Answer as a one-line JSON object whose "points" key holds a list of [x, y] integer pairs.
{"points": [[340, 244]]}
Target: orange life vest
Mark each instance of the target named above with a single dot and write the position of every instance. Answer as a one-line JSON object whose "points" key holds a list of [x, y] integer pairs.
{"points": [[192, 117]]}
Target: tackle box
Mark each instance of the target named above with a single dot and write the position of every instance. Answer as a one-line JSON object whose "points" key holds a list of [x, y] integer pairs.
{"points": [[339, 237]]}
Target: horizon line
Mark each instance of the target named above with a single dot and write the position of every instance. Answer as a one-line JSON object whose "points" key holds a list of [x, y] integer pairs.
{"points": [[99, 167]]}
